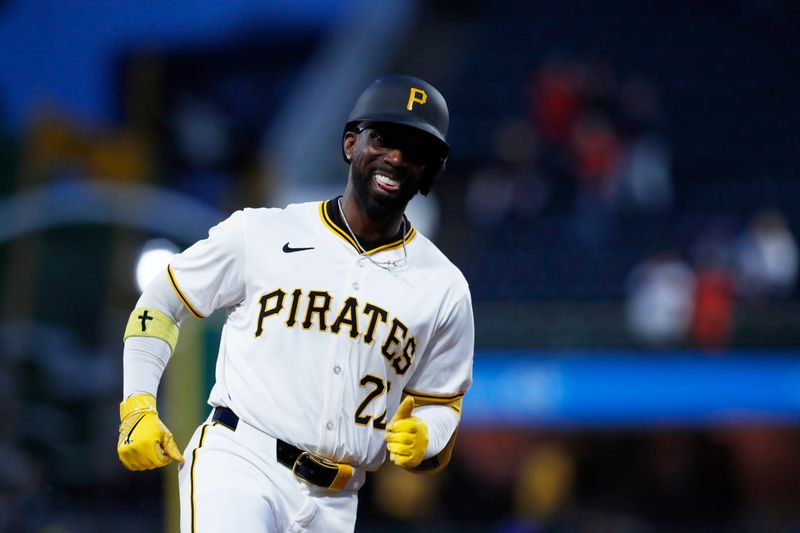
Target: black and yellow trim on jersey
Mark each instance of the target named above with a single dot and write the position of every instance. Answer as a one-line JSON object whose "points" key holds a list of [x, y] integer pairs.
{"points": [[192, 478], [178, 291], [329, 213], [439, 461], [453, 401]]}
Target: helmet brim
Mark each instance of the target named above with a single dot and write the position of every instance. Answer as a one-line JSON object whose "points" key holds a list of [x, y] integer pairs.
{"points": [[404, 120]]}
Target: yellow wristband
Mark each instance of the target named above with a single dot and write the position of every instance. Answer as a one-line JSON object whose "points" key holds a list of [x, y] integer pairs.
{"points": [[139, 402], [149, 322]]}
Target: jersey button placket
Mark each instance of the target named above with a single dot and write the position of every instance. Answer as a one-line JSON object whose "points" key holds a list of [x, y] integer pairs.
{"points": [[339, 355]]}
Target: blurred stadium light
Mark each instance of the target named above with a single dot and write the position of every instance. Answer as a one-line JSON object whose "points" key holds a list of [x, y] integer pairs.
{"points": [[154, 258]]}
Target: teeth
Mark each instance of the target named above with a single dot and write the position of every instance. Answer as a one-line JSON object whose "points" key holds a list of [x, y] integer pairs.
{"points": [[386, 180]]}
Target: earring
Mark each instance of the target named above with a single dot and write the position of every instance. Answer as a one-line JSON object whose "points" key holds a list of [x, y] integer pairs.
{"points": [[348, 156]]}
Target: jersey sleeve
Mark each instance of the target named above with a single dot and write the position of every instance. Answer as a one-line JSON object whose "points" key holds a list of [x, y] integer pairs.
{"points": [[445, 370], [211, 273], [445, 373]]}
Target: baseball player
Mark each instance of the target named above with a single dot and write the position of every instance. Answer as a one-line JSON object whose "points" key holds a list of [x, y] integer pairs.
{"points": [[349, 337]]}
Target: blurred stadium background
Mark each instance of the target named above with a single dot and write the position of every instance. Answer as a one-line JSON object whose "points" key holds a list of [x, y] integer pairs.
{"points": [[621, 196]]}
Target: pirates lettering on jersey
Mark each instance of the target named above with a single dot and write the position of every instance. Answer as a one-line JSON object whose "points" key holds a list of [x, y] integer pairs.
{"points": [[347, 316], [402, 360], [271, 304], [398, 347], [319, 303]]}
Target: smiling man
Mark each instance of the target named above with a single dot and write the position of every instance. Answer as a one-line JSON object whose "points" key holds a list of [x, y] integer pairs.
{"points": [[348, 339]]}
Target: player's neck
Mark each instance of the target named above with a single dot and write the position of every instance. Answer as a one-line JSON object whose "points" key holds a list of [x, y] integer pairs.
{"points": [[367, 228]]}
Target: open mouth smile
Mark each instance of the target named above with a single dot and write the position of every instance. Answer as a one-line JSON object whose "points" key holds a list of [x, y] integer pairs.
{"points": [[385, 182]]}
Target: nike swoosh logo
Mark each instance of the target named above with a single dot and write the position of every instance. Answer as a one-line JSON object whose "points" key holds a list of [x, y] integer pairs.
{"points": [[128, 438], [288, 249]]}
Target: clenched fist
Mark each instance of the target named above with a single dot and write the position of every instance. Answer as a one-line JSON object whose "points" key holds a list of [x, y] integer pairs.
{"points": [[144, 441]]}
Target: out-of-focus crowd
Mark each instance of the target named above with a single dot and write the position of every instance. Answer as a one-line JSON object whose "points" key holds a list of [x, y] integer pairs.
{"points": [[579, 201]]}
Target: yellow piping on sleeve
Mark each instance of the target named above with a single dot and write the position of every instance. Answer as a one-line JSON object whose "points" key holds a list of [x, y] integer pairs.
{"points": [[183, 298]]}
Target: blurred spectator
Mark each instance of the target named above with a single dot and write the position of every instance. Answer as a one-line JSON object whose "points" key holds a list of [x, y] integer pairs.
{"points": [[599, 138], [489, 195], [589, 150], [555, 99], [660, 300], [766, 257], [712, 321], [646, 180], [509, 185], [597, 154]]}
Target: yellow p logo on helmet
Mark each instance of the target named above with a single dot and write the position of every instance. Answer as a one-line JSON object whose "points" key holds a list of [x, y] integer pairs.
{"points": [[416, 95]]}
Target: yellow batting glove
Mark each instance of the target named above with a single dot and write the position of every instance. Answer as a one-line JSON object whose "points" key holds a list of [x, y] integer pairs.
{"points": [[144, 441], [406, 436]]}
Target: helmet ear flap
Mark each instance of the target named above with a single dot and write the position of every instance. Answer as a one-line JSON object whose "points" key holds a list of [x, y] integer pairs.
{"points": [[430, 178]]}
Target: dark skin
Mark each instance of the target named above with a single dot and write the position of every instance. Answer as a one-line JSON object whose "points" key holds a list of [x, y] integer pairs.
{"points": [[374, 209]]}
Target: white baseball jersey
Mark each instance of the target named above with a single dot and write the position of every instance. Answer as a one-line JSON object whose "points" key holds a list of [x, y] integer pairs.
{"points": [[320, 342]]}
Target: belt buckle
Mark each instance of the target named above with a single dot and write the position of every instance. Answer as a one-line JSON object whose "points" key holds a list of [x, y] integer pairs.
{"points": [[297, 461], [320, 462]]}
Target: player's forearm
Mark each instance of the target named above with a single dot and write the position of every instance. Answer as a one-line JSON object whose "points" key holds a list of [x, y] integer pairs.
{"points": [[442, 422], [150, 337], [143, 362]]}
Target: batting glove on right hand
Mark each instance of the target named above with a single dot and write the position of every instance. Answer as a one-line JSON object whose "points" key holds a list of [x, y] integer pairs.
{"points": [[144, 441], [406, 436]]}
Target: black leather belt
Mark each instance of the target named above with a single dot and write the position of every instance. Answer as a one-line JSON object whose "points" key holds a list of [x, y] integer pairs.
{"points": [[226, 417], [316, 470]]}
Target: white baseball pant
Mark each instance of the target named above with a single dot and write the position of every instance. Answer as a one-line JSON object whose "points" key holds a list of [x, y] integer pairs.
{"points": [[232, 481]]}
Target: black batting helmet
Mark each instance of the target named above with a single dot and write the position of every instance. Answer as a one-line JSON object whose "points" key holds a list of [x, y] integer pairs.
{"points": [[411, 102]]}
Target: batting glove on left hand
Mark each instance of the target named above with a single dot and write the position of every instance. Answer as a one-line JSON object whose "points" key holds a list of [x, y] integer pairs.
{"points": [[406, 436], [144, 441]]}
